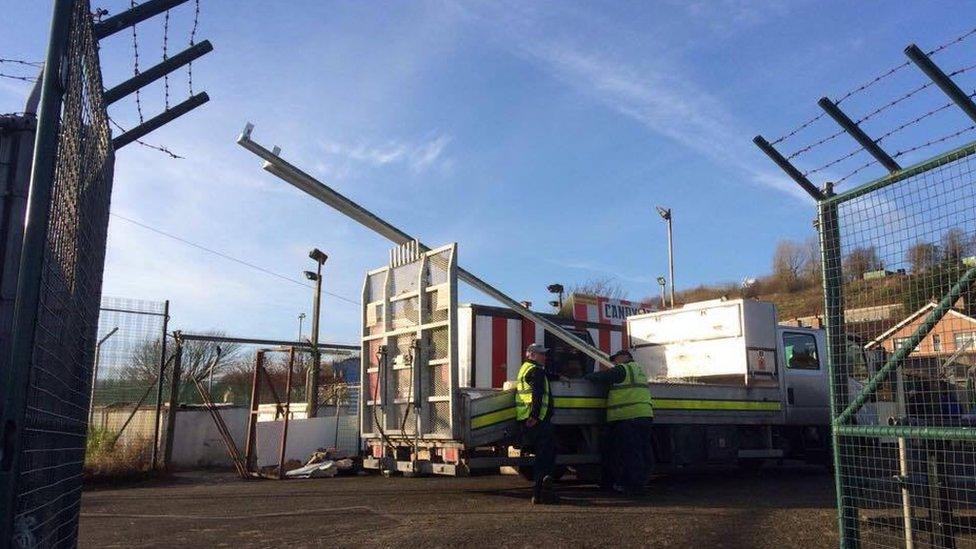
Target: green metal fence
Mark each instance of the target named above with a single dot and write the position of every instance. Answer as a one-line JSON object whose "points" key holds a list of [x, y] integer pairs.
{"points": [[904, 404], [899, 266]]}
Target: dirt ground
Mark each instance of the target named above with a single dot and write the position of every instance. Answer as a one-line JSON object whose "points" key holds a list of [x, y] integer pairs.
{"points": [[775, 507]]}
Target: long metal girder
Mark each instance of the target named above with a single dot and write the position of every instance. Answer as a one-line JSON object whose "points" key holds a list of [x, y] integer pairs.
{"points": [[315, 188]]}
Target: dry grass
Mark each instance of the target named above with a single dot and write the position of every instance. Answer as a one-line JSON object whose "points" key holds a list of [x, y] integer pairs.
{"points": [[110, 460]]}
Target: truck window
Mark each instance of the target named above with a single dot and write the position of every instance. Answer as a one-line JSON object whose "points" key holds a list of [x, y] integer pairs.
{"points": [[801, 351]]}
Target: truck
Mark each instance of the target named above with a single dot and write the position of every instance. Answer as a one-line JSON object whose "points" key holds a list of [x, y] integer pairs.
{"points": [[729, 384]]}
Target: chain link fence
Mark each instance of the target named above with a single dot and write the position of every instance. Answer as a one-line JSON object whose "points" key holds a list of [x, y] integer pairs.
{"points": [[905, 393], [45, 406], [128, 393]]}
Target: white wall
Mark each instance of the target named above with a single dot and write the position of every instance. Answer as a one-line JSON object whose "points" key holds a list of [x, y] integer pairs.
{"points": [[196, 442], [305, 436]]}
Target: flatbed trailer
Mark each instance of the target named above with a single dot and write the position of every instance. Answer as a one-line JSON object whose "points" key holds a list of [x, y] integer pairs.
{"points": [[758, 410]]}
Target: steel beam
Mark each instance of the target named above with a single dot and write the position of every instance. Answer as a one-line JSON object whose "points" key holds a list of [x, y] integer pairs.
{"points": [[789, 168], [858, 134], [160, 120], [156, 72], [305, 182], [275, 342], [132, 16], [941, 79]]}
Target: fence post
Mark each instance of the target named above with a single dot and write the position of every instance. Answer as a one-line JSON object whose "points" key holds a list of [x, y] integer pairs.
{"points": [[174, 399], [159, 386], [831, 263], [26, 305]]}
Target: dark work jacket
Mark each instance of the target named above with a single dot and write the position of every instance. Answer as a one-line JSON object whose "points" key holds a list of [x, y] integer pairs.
{"points": [[614, 375], [535, 380]]}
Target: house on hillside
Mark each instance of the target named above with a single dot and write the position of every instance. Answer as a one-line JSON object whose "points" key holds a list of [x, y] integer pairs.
{"points": [[862, 323], [953, 337]]}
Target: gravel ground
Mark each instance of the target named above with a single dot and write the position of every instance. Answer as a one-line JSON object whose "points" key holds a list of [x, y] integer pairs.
{"points": [[775, 507]]}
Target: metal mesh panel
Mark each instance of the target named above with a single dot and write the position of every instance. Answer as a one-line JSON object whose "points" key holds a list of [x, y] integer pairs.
{"points": [[440, 418], [127, 364], [432, 313], [904, 388], [439, 343], [438, 268], [374, 287], [406, 371], [404, 313], [405, 279], [49, 485], [440, 380]]}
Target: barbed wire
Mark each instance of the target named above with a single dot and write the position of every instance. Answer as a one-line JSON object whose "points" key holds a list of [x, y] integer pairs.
{"points": [[30, 79], [812, 146], [35, 64], [909, 150], [193, 36], [833, 162], [874, 113], [135, 66], [855, 172], [866, 85], [159, 148], [166, 56], [935, 141]]}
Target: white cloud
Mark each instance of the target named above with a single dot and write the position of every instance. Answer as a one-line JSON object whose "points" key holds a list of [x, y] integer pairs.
{"points": [[664, 102], [419, 157]]}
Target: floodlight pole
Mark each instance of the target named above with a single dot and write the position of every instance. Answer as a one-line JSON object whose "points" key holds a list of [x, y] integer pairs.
{"points": [[312, 379], [665, 214]]}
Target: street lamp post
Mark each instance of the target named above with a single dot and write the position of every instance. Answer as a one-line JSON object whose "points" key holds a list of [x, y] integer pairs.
{"points": [[301, 317], [665, 214], [662, 282], [312, 377]]}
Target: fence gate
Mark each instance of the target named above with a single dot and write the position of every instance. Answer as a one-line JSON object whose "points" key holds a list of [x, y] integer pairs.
{"points": [[409, 359]]}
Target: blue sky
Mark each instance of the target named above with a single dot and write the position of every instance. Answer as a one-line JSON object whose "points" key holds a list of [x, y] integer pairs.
{"points": [[538, 135]]}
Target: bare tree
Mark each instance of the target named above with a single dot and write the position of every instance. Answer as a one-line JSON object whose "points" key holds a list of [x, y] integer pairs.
{"points": [[789, 259], [922, 256], [605, 286], [197, 357], [954, 245], [860, 261], [813, 270]]}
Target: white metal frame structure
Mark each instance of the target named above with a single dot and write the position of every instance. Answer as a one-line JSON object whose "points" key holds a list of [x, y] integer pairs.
{"points": [[409, 360]]}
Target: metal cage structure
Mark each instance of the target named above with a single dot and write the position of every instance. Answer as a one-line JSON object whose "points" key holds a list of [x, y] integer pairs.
{"points": [[409, 360]]}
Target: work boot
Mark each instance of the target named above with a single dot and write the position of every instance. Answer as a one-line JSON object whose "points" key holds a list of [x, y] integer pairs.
{"points": [[548, 492]]}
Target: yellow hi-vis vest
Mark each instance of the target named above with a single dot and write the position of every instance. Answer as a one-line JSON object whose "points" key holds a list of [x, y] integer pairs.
{"points": [[523, 394], [631, 398]]}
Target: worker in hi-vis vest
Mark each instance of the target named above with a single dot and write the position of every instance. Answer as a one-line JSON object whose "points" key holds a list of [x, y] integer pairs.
{"points": [[626, 441], [533, 410]]}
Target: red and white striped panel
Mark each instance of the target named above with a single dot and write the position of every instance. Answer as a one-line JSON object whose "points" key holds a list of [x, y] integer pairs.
{"points": [[500, 346]]}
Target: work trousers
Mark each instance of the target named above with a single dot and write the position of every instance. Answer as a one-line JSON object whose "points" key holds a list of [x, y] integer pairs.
{"points": [[627, 453], [539, 440]]}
